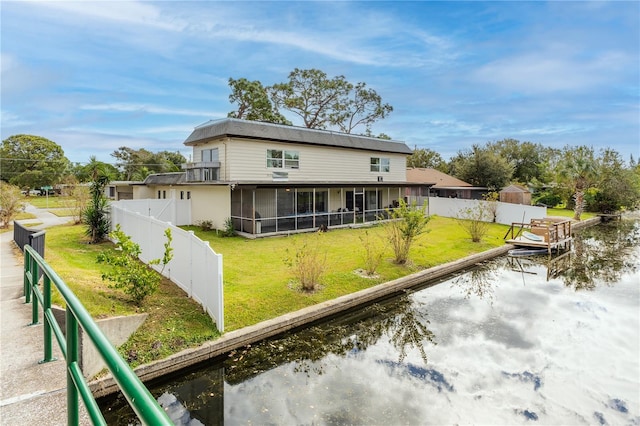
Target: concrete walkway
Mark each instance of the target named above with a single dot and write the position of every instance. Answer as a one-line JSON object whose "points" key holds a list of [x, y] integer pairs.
{"points": [[30, 393]]}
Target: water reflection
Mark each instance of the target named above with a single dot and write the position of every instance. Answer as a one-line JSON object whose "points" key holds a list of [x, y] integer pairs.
{"points": [[541, 350]]}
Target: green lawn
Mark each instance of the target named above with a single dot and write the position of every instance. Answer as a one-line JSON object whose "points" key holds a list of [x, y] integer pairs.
{"points": [[258, 284]]}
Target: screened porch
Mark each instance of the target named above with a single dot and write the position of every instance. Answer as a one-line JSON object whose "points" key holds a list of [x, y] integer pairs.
{"points": [[269, 210]]}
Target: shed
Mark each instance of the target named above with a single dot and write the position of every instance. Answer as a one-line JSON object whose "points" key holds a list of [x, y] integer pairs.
{"points": [[516, 194]]}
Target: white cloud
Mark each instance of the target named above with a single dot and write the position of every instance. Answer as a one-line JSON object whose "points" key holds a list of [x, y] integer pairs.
{"points": [[150, 109], [124, 12]]}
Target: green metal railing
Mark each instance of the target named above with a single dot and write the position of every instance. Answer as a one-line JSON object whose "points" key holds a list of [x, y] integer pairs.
{"points": [[143, 403]]}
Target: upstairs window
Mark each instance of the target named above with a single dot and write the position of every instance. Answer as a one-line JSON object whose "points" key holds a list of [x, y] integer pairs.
{"points": [[209, 155], [279, 159], [380, 165]]}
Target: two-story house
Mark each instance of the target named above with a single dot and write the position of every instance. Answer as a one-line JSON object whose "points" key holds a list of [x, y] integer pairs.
{"points": [[271, 178]]}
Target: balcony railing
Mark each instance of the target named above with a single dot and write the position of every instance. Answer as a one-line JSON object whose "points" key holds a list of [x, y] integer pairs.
{"points": [[202, 171]]}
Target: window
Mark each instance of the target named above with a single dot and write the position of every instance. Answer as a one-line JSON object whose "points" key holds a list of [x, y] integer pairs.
{"points": [[209, 154], [159, 194], [188, 195], [380, 165], [182, 195], [280, 159]]}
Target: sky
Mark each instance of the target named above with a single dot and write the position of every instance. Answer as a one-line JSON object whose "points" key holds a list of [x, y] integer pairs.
{"points": [[94, 76]]}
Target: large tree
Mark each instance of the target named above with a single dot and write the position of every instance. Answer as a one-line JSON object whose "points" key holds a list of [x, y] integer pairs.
{"points": [[617, 185], [480, 166], [311, 95], [363, 107], [322, 102], [30, 161], [527, 158], [252, 102], [88, 172], [428, 159]]}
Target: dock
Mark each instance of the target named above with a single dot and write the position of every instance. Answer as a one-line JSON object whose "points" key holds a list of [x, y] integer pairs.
{"points": [[552, 233]]}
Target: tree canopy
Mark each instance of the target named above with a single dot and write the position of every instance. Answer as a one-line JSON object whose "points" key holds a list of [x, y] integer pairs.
{"points": [[30, 161], [138, 164], [427, 159], [320, 101], [253, 102], [480, 166]]}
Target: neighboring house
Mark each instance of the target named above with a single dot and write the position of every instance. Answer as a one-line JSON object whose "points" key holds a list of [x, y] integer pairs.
{"points": [[515, 194], [120, 190], [271, 178], [439, 184]]}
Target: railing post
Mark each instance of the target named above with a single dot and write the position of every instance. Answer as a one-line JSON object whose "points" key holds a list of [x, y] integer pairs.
{"points": [[73, 416], [26, 291], [32, 285], [46, 306]]}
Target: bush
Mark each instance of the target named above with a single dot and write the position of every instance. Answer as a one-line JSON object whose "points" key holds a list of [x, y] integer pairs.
{"points": [[373, 253], [407, 222], [229, 230], [10, 203], [128, 273], [308, 262], [474, 221], [205, 225]]}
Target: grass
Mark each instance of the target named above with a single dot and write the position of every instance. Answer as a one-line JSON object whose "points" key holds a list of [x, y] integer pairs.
{"points": [[258, 284], [50, 202], [568, 213], [174, 321]]}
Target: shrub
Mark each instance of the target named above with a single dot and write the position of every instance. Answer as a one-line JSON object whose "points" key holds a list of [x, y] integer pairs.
{"points": [[96, 215], [308, 262], [373, 253], [205, 225], [229, 230], [10, 203], [407, 222], [474, 220], [127, 271]]}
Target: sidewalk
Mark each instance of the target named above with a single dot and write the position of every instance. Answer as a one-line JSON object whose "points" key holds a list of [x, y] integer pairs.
{"points": [[30, 393]]}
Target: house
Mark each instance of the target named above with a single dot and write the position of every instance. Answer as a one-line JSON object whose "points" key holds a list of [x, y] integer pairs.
{"points": [[270, 178], [120, 190], [515, 194], [439, 184]]}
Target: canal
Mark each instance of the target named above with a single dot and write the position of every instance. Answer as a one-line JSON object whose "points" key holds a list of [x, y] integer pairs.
{"points": [[515, 340]]}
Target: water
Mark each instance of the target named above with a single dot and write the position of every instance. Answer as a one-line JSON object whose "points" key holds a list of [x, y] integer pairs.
{"points": [[515, 341]]}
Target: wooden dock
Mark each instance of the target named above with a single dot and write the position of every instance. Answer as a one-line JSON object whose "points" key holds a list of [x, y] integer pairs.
{"points": [[555, 234]]}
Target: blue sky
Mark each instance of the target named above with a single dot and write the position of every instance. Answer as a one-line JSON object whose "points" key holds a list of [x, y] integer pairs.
{"points": [[94, 75]]}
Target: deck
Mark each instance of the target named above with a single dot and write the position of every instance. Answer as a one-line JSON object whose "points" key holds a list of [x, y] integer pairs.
{"points": [[555, 234]]}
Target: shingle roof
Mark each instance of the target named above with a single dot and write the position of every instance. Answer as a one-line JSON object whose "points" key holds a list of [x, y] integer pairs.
{"points": [[231, 127], [166, 178], [442, 180]]}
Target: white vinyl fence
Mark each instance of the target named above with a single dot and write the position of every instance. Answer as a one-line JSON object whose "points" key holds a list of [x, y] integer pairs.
{"points": [[171, 210], [195, 267], [506, 213]]}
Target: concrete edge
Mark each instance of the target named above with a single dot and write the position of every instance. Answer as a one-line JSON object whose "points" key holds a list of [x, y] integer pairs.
{"points": [[266, 329]]}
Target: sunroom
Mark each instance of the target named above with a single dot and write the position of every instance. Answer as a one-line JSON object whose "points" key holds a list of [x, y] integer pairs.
{"points": [[268, 209]]}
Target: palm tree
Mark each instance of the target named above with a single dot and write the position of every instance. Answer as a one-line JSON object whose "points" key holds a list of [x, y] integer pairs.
{"points": [[578, 173]]}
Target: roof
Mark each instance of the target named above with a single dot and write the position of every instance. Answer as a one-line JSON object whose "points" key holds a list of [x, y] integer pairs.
{"points": [[233, 127], [515, 188], [442, 180], [173, 178]]}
